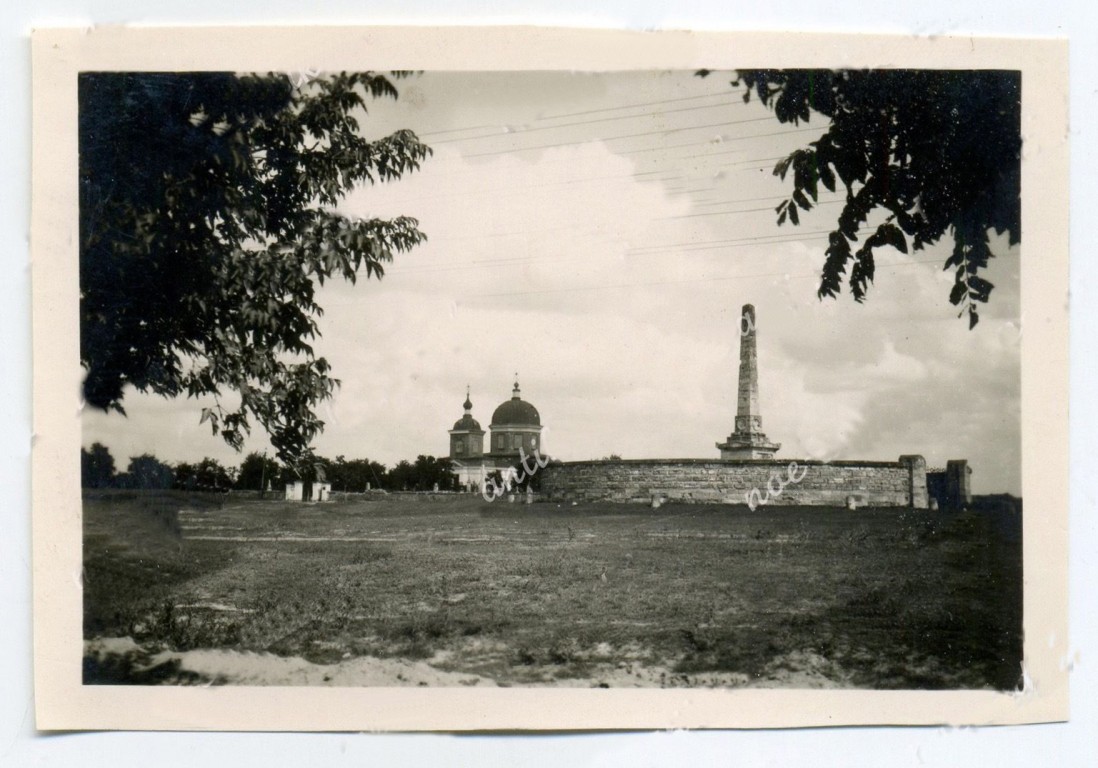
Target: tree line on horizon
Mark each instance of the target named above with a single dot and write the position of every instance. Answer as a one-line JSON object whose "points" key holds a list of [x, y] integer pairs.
{"points": [[260, 472]]}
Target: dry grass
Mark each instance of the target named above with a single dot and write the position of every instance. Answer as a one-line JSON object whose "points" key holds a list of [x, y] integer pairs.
{"points": [[534, 594]]}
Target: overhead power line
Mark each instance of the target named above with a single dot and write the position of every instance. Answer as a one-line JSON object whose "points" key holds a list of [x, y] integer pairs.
{"points": [[607, 138], [687, 280], [787, 237], [709, 168], [722, 141], [507, 133], [706, 244], [726, 102], [739, 210], [646, 133], [467, 194], [731, 102]]}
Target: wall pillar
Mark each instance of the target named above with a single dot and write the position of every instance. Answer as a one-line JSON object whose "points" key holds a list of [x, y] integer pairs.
{"points": [[958, 483], [917, 494]]}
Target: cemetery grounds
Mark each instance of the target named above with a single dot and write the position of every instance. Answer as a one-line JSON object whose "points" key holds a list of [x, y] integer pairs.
{"points": [[426, 590]]}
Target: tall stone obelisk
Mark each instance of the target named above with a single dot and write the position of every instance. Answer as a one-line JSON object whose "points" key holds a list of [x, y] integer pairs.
{"points": [[747, 441]]}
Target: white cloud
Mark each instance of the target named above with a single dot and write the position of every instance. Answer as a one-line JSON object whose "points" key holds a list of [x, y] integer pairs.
{"points": [[617, 297]]}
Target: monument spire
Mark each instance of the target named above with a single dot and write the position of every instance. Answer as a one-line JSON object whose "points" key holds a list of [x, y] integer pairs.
{"points": [[747, 440]]}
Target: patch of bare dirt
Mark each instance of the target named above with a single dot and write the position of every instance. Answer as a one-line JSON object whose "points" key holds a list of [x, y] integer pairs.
{"points": [[122, 660]]}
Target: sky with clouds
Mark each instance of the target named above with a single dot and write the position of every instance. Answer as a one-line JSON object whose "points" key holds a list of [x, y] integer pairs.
{"points": [[598, 234]]}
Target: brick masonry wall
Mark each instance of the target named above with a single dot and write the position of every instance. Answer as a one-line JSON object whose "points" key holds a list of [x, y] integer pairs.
{"points": [[873, 483]]}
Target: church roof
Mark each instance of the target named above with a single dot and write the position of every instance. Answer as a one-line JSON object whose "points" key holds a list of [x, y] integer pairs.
{"points": [[515, 411], [468, 423]]}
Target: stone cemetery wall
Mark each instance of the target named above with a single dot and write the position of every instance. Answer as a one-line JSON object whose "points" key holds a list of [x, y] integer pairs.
{"points": [[865, 483]]}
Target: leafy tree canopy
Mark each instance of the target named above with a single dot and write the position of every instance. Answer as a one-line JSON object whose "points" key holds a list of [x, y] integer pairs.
{"points": [[207, 222], [423, 475], [431, 471], [355, 474], [257, 472], [96, 467], [146, 471], [936, 151], [206, 475]]}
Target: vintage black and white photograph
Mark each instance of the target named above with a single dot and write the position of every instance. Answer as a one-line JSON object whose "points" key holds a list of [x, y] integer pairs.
{"points": [[437, 379], [641, 379]]}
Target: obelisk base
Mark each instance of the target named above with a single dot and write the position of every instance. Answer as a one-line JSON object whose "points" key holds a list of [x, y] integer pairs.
{"points": [[748, 446]]}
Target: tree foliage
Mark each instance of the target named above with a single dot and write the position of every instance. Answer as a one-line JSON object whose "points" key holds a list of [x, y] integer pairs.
{"points": [[354, 475], [207, 222], [936, 151], [423, 475], [207, 475], [257, 473], [147, 472], [96, 467]]}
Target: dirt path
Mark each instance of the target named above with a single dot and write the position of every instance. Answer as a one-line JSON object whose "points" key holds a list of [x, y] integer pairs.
{"points": [[121, 659]]}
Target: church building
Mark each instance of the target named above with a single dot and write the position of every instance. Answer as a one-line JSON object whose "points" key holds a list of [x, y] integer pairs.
{"points": [[515, 425]]}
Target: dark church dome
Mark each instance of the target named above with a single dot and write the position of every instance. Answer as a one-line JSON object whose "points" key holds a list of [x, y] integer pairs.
{"points": [[467, 422], [515, 411]]}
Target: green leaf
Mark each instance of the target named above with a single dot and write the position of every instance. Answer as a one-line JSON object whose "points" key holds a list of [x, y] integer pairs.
{"points": [[891, 235], [782, 167], [939, 150]]}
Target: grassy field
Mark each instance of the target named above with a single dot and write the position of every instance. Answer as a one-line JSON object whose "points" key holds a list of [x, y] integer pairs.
{"points": [[594, 594]]}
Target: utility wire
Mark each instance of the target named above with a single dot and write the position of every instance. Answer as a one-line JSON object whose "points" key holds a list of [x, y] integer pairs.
{"points": [[732, 102], [740, 210], [726, 102], [646, 133], [723, 141], [480, 193], [567, 182], [692, 245], [519, 132], [741, 200], [579, 180], [688, 280], [777, 239]]}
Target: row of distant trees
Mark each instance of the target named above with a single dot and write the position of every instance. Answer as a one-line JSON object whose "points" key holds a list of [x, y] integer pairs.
{"points": [[260, 472]]}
